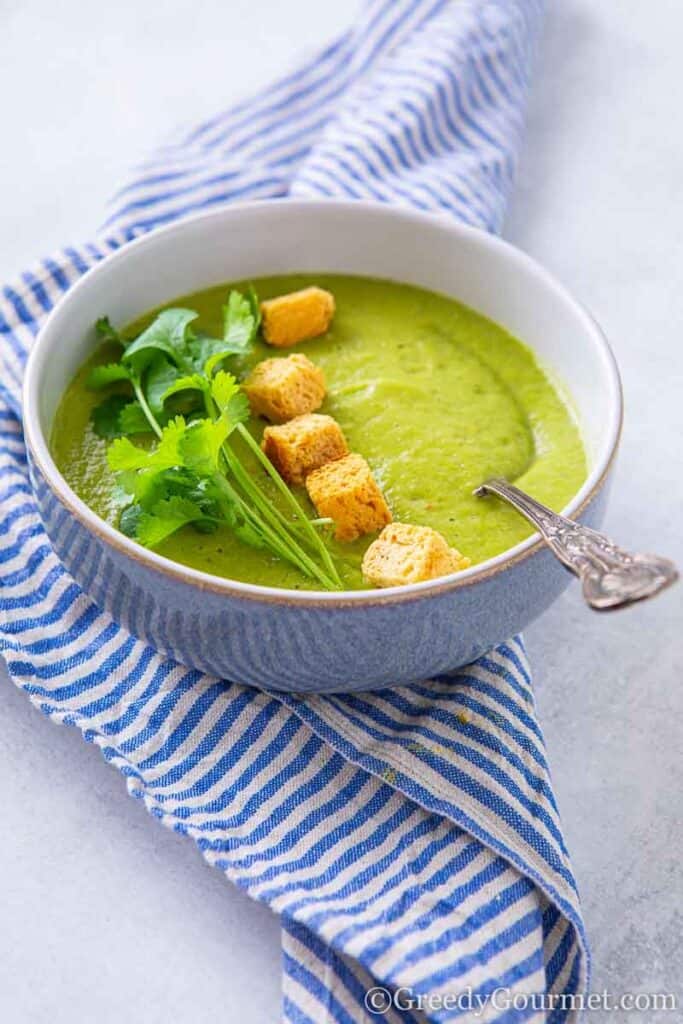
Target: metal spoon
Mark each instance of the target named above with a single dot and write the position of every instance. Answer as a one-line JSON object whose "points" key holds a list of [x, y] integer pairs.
{"points": [[611, 577]]}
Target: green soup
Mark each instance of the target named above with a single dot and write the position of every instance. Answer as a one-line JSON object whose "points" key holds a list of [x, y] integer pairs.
{"points": [[436, 397]]}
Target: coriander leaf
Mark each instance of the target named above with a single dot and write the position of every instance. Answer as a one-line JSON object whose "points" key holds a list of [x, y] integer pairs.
{"points": [[160, 375], [165, 518], [129, 520], [107, 332], [132, 420], [205, 525], [168, 333], [240, 323], [147, 487], [117, 416], [241, 318], [151, 524], [201, 444], [237, 410], [120, 497], [191, 382], [102, 376], [123, 455], [144, 487], [205, 494], [224, 387], [216, 357], [230, 398], [181, 481], [176, 481], [167, 451], [105, 416], [209, 352]]}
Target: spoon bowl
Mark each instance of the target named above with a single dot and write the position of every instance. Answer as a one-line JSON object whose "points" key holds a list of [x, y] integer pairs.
{"points": [[611, 577]]}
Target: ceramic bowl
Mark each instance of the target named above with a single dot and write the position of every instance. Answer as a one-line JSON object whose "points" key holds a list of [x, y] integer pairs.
{"points": [[304, 641]]}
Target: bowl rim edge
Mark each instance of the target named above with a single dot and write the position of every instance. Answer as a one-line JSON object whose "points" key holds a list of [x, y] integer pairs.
{"points": [[38, 447]]}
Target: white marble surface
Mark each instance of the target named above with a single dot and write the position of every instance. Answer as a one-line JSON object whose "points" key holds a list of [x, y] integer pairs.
{"points": [[105, 916]]}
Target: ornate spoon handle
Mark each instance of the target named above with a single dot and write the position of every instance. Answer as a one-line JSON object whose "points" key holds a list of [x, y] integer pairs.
{"points": [[611, 577]]}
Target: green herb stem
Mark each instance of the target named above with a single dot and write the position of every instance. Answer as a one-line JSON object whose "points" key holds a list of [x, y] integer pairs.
{"points": [[140, 395], [292, 500], [251, 490], [284, 547], [241, 474], [229, 491], [274, 518]]}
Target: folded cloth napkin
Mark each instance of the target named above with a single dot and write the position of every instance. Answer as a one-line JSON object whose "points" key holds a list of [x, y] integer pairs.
{"points": [[408, 838]]}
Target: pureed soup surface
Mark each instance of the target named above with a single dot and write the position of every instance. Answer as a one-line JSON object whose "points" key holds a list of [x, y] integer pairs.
{"points": [[436, 397]]}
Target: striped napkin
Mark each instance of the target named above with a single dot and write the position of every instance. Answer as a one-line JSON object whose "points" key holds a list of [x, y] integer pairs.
{"points": [[409, 838]]}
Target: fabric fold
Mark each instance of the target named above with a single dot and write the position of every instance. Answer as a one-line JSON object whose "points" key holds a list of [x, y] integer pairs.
{"points": [[409, 838]]}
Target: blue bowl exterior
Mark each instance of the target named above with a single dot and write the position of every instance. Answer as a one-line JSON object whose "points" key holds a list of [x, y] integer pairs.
{"points": [[284, 645]]}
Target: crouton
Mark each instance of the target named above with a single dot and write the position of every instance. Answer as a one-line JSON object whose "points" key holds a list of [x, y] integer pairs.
{"points": [[303, 444], [280, 389], [289, 319], [409, 554], [346, 491]]}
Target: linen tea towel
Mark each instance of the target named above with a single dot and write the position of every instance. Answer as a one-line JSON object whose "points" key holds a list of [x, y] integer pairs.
{"points": [[408, 838]]}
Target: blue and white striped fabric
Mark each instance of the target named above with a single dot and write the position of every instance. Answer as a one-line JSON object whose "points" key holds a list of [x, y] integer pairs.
{"points": [[408, 838]]}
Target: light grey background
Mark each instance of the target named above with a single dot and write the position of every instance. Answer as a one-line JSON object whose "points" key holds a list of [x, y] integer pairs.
{"points": [[104, 916]]}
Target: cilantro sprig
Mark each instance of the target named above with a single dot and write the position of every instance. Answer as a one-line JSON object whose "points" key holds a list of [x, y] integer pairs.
{"points": [[170, 382]]}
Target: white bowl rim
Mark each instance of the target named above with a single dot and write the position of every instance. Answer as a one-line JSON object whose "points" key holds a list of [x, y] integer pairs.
{"points": [[39, 447]]}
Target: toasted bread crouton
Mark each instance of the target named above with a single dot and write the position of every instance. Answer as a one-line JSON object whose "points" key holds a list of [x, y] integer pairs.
{"points": [[303, 444], [346, 491], [409, 554], [280, 389], [289, 319]]}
